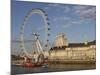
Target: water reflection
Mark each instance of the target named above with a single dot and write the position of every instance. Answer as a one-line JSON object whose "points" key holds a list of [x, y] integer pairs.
{"points": [[51, 68]]}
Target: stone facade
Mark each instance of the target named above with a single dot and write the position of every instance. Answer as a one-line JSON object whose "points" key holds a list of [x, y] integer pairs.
{"points": [[73, 51]]}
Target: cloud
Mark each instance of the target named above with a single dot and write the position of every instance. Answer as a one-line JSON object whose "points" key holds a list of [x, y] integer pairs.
{"points": [[58, 7], [72, 22], [46, 8], [54, 5], [66, 9], [66, 22], [82, 11], [60, 19], [85, 11], [50, 6], [79, 14]]}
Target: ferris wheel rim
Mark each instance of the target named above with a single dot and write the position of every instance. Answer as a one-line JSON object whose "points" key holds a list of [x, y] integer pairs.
{"points": [[46, 24]]}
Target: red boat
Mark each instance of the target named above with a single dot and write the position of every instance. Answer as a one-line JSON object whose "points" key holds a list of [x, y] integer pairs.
{"points": [[29, 65], [38, 64]]}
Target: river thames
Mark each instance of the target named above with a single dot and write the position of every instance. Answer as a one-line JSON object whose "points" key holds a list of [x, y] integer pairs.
{"points": [[51, 68]]}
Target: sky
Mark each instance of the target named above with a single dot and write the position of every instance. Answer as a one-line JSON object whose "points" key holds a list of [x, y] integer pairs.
{"points": [[78, 22]]}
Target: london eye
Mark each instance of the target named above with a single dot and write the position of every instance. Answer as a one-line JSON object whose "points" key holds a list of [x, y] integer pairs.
{"points": [[43, 14]]}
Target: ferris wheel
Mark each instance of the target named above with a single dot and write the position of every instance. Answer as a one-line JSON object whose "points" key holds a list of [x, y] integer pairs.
{"points": [[46, 30]]}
